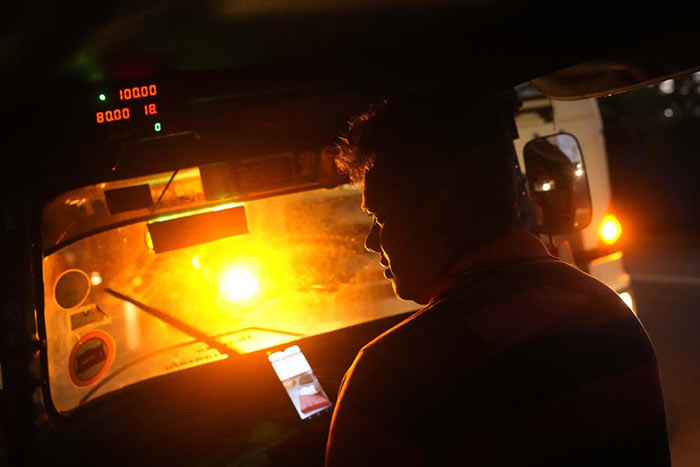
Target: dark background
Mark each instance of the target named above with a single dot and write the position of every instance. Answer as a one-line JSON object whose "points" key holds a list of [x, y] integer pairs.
{"points": [[653, 143]]}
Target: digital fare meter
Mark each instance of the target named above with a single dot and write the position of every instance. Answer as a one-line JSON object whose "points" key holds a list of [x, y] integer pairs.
{"points": [[125, 109], [130, 111]]}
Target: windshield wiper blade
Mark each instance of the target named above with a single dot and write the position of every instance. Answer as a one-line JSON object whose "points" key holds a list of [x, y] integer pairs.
{"points": [[176, 323]]}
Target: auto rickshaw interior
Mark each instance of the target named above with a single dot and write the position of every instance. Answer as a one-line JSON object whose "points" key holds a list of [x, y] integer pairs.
{"points": [[205, 273], [186, 230], [247, 275]]}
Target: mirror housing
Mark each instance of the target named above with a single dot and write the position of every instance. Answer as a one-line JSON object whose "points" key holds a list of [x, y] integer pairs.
{"points": [[557, 184]]}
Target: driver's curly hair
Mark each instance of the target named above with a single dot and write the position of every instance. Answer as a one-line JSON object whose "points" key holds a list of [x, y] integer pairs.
{"points": [[438, 139], [353, 155]]}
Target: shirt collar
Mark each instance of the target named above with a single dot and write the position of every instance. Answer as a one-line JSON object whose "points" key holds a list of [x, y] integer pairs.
{"points": [[512, 247]]}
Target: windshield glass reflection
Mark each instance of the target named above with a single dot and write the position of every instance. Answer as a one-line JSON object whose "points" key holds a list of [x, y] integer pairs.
{"points": [[118, 313]]}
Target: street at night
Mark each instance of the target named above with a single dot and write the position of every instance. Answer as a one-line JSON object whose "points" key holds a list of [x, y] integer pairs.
{"points": [[665, 275], [652, 137]]}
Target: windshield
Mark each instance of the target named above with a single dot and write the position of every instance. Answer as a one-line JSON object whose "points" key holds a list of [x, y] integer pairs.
{"points": [[117, 312]]}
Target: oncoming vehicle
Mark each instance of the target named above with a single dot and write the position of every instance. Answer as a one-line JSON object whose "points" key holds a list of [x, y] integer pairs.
{"points": [[186, 281], [594, 249]]}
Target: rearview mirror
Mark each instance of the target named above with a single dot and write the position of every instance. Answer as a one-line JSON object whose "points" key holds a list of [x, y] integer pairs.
{"points": [[557, 182]]}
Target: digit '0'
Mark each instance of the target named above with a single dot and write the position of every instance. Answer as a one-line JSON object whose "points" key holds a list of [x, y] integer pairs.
{"points": [[152, 90], [125, 113]]}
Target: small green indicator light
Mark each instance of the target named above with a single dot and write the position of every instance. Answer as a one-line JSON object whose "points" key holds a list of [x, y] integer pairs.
{"points": [[157, 126], [103, 97]]}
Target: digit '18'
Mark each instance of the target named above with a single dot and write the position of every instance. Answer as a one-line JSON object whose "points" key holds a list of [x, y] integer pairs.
{"points": [[150, 109]]}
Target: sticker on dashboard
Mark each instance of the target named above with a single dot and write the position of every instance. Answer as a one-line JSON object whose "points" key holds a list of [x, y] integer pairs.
{"points": [[91, 357]]}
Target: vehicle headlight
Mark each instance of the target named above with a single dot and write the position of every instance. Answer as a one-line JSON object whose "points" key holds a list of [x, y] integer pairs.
{"points": [[238, 284], [610, 229]]}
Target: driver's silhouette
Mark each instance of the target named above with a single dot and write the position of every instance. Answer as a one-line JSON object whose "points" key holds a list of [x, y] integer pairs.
{"points": [[516, 358]]}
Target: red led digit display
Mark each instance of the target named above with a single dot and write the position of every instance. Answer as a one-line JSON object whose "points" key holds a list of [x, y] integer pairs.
{"points": [[138, 92], [113, 115], [123, 110], [150, 109]]}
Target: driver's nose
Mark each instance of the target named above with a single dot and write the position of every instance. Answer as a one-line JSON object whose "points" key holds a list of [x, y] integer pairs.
{"points": [[372, 241]]}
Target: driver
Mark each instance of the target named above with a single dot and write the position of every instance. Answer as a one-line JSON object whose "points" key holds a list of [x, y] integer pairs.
{"points": [[515, 358]]}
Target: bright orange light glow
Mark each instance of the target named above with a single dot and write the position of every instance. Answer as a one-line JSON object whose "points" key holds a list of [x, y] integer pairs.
{"points": [[238, 284], [610, 229], [95, 278]]}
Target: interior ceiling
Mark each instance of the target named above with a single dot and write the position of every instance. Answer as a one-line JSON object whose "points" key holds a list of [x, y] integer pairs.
{"points": [[119, 38], [488, 41], [52, 52]]}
